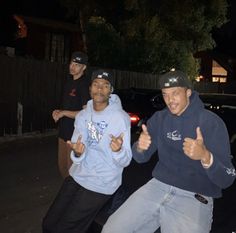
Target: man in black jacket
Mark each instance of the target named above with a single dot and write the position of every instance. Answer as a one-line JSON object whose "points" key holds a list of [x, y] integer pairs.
{"points": [[75, 97]]}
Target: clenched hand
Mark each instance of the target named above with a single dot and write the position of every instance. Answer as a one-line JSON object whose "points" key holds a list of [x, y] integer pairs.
{"points": [[116, 142]]}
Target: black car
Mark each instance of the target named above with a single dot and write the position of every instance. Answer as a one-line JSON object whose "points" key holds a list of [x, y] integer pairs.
{"points": [[141, 104], [224, 105]]}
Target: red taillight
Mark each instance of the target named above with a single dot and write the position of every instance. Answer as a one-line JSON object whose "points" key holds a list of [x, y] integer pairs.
{"points": [[134, 118]]}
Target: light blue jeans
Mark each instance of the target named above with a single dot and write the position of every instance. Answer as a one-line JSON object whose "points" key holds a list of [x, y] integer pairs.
{"points": [[157, 205]]}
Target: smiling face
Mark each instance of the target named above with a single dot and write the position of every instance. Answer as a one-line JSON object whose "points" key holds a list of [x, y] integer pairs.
{"points": [[100, 91], [176, 99]]}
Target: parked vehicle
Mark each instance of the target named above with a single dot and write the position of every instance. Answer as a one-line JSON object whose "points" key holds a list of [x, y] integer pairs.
{"points": [[141, 104], [224, 105]]}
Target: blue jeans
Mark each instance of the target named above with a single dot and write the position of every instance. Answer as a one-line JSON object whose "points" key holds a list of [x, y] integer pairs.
{"points": [[157, 205]]}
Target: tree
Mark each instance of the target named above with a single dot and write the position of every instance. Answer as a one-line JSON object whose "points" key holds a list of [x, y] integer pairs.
{"points": [[79, 11], [105, 46], [149, 35], [174, 30]]}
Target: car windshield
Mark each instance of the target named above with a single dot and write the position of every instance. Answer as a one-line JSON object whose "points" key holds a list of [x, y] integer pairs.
{"points": [[139, 100]]}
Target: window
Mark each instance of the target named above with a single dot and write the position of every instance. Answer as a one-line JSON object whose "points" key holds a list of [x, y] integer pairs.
{"points": [[56, 48], [219, 74]]}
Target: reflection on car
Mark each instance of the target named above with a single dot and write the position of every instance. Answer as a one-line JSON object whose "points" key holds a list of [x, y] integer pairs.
{"points": [[140, 105], [224, 105]]}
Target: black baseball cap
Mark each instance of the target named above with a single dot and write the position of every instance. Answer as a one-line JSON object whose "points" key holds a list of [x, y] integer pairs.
{"points": [[102, 74], [175, 78], [79, 57]]}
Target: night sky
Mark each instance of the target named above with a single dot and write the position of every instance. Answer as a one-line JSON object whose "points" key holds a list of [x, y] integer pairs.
{"points": [[37, 8], [225, 37]]}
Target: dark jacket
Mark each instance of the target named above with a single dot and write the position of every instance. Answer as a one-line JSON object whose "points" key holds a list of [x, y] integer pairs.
{"points": [[174, 167]]}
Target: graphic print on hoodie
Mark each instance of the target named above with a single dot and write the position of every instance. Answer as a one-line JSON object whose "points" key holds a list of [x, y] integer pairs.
{"points": [[95, 132]]}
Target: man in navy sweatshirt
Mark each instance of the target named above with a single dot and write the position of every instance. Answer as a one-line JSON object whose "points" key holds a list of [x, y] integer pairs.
{"points": [[194, 166]]}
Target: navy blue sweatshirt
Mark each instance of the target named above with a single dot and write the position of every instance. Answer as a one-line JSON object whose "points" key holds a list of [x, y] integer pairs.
{"points": [[177, 169]]}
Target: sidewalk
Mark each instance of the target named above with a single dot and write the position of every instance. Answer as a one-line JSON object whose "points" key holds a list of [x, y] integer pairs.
{"points": [[25, 136]]}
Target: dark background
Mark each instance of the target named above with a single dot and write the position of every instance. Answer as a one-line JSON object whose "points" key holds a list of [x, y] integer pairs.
{"points": [[225, 36]]}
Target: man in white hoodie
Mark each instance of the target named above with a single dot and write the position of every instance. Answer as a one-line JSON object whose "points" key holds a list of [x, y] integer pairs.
{"points": [[100, 150]]}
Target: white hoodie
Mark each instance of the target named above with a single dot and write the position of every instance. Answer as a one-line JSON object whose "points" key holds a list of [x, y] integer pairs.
{"points": [[99, 169]]}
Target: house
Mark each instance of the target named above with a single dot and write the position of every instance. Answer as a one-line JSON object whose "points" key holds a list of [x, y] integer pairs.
{"points": [[217, 72], [216, 66], [47, 39]]}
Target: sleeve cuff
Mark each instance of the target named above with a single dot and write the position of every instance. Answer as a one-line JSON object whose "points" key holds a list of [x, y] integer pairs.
{"points": [[76, 159], [207, 165]]}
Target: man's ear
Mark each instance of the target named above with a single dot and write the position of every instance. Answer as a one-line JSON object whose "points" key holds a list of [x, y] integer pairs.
{"points": [[112, 89], [84, 68], [189, 92]]}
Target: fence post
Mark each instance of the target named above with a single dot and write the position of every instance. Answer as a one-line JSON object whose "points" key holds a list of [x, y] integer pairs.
{"points": [[19, 118]]}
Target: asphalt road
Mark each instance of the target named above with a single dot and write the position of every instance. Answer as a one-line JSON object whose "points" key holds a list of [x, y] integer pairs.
{"points": [[29, 181]]}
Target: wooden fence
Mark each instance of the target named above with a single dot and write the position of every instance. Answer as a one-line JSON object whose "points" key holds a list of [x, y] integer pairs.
{"points": [[31, 89], [31, 86]]}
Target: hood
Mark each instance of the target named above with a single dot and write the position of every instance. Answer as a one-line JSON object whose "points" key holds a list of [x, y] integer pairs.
{"points": [[195, 105]]}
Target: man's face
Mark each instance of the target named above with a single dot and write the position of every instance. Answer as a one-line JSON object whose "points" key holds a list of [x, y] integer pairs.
{"points": [[76, 69], [176, 99], [100, 90]]}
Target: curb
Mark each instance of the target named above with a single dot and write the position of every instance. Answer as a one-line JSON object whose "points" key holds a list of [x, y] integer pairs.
{"points": [[30, 135]]}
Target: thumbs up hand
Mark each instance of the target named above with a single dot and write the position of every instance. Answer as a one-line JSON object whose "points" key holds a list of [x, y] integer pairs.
{"points": [[144, 140], [195, 148], [116, 142], [77, 147]]}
